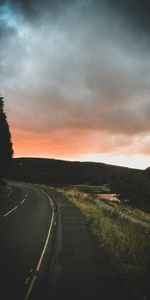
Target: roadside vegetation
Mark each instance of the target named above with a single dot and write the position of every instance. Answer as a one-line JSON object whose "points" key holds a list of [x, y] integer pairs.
{"points": [[93, 191], [126, 244], [6, 147], [134, 212]]}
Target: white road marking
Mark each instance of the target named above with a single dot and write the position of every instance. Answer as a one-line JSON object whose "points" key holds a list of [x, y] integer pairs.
{"points": [[30, 288], [22, 201], [44, 249], [49, 232], [24, 197], [25, 193], [31, 270], [29, 276], [27, 280], [9, 212]]}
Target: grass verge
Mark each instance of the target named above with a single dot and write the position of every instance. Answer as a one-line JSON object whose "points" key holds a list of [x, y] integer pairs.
{"points": [[135, 212], [127, 244]]}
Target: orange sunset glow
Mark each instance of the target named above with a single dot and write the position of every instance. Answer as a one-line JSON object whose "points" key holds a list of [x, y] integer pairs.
{"points": [[80, 145], [75, 87]]}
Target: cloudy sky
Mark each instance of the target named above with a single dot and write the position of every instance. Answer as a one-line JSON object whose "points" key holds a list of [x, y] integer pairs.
{"points": [[75, 76]]}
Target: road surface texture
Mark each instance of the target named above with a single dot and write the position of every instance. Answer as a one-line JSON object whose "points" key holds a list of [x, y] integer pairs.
{"points": [[46, 252], [78, 270], [25, 216]]}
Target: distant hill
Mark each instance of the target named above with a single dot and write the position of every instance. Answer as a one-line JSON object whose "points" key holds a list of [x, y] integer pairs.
{"points": [[147, 172], [66, 172], [130, 183]]}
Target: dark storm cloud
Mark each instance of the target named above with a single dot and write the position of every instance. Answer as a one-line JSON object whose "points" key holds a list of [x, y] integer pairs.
{"points": [[33, 10], [137, 13], [81, 65]]}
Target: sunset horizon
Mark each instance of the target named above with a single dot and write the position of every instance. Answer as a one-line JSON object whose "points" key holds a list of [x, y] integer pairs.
{"points": [[133, 163], [75, 77], [75, 149]]}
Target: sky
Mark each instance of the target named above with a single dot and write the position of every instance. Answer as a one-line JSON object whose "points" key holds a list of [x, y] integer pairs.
{"points": [[75, 77]]}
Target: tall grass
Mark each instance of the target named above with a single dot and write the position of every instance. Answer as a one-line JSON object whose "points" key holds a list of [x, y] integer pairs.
{"points": [[127, 244], [135, 212]]}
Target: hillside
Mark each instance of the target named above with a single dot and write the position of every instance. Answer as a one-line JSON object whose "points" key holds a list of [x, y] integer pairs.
{"points": [[147, 172], [129, 183], [66, 172]]}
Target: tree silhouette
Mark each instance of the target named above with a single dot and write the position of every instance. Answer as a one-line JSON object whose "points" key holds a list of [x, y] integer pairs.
{"points": [[6, 148]]}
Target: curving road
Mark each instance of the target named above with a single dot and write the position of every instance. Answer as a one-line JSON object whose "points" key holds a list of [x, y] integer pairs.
{"points": [[26, 216], [41, 261]]}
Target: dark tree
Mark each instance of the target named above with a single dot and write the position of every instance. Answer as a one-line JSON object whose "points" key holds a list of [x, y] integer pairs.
{"points": [[6, 148]]}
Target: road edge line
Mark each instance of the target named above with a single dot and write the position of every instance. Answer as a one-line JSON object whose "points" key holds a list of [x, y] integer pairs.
{"points": [[44, 249], [48, 236], [9, 212]]}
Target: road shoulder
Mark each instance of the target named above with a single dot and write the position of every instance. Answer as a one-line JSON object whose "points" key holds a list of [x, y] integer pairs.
{"points": [[78, 270]]}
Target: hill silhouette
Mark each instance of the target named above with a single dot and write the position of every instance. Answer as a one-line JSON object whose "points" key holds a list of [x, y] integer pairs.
{"points": [[133, 184], [41, 170]]}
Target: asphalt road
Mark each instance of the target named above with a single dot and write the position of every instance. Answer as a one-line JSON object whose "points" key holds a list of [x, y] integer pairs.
{"points": [[75, 266], [25, 220], [80, 270]]}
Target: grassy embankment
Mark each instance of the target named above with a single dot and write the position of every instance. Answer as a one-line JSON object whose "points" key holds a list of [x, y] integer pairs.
{"points": [[134, 212], [125, 208], [127, 244]]}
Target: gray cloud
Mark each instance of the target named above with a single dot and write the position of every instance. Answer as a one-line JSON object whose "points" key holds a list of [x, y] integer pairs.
{"points": [[76, 65]]}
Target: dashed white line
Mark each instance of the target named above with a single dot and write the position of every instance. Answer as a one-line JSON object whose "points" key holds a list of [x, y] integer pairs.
{"points": [[27, 280], [44, 249], [9, 212], [22, 201], [25, 192], [24, 197], [31, 270]]}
